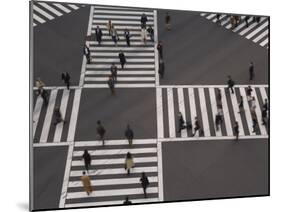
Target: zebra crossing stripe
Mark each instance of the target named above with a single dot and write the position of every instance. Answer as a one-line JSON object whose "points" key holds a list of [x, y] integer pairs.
{"points": [[259, 115], [147, 85], [117, 151], [129, 60], [42, 12], [263, 94], [120, 79], [63, 107], [226, 113], [182, 108], [203, 107], [123, 12], [242, 25], [62, 8], [215, 20], [159, 105], [120, 73], [257, 30], [124, 49], [129, 54], [116, 22], [264, 42], [48, 117], [211, 16], [36, 113], [114, 142], [107, 66], [171, 114], [262, 35], [53, 10], [112, 17], [192, 104], [214, 108], [250, 27], [117, 27], [73, 6], [247, 111], [37, 18]]}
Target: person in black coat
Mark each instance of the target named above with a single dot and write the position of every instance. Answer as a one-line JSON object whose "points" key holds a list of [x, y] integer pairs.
{"points": [[265, 105], [113, 70], [129, 134], [168, 21], [127, 36], [230, 84], [236, 130], [249, 91], [264, 116], [181, 122], [98, 34], [161, 70], [144, 183], [87, 53], [219, 98], [122, 59], [143, 21], [45, 96], [66, 78], [160, 49], [247, 20], [218, 121], [197, 126], [111, 84], [251, 71], [241, 105], [57, 115], [87, 160], [151, 33], [100, 131]]}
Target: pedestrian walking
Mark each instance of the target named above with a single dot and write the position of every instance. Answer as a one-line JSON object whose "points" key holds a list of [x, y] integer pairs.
{"points": [[143, 21], [58, 116], [66, 78], [109, 27], [98, 34], [129, 134], [160, 49], [143, 35], [241, 105], [249, 91], [161, 70], [265, 105], [264, 116], [111, 85], [232, 21], [230, 84], [40, 85], [86, 181], [218, 120], [127, 36], [255, 122], [100, 131], [253, 104], [257, 19], [127, 201], [45, 96], [151, 33], [218, 16], [113, 71], [168, 21], [251, 71], [247, 20], [219, 98], [87, 160], [181, 122], [144, 183], [122, 59], [114, 35], [129, 162], [87, 53], [237, 20], [197, 126], [236, 130]]}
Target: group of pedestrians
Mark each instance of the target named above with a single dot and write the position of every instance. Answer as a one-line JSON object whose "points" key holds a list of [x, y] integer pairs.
{"points": [[182, 124], [235, 20]]}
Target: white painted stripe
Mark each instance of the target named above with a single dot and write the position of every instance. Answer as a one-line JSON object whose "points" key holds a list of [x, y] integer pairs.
{"points": [[214, 108], [114, 192], [116, 22], [103, 203], [250, 27], [112, 17], [34, 24], [257, 30], [211, 16], [116, 151], [263, 94], [120, 72], [62, 7], [171, 114], [142, 10], [116, 60], [202, 14], [236, 110], [125, 12], [115, 54], [74, 115], [63, 106], [159, 105], [264, 42], [192, 105], [53, 10], [117, 27], [51, 144], [209, 86], [148, 85], [259, 115], [225, 22], [73, 6], [42, 12], [114, 142], [156, 56], [119, 32], [182, 108], [120, 79], [241, 25], [115, 161], [247, 112], [110, 42], [134, 38], [98, 66], [36, 113], [204, 113], [115, 171], [160, 172], [66, 176], [48, 117], [56, 87], [262, 35], [37, 18], [118, 181], [124, 49], [226, 116], [215, 19]]}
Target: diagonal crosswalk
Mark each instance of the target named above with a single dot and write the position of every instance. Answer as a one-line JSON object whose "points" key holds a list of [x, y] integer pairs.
{"points": [[139, 70], [109, 179], [47, 11], [202, 102], [256, 32]]}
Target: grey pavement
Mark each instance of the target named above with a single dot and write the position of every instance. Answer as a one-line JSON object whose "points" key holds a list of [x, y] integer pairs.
{"points": [[215, 169], [198, 52]]}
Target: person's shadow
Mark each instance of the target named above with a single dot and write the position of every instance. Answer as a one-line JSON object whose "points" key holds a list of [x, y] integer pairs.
{"points": [[23, 205]]}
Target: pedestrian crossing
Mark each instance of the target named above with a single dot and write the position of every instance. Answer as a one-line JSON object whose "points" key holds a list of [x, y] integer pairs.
{"points": [[256, 32], [139, 69], [44, 12], [109, 179], [202, 102], [44, 129]]}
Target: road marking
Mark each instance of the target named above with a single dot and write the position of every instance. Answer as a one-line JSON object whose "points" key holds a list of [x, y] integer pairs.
{"points": [[123, 16], [214, 108], [48, 117], [114, 142], [228, 125], [209, 86], [129, 60], [160, 172], [215, 20], [50, 8], [204, 113], [240, 26], [262, 35], [51, 144], [250, 27], [73, 6], [259, 115], [129, 54], [36, 113], [257, 30], [182, 109], [170, 99], [264, 42], [117, 27], [237, 115], [211, 16], [159, 105], [148, 85], [124, 49], [37, 18], [42, 12], [117, 22], [62, 7], [156, 56], [120, 79], [107, 66], [63, 107], [110, 42], [193, 113], [120, 73], [116, 151], [124, 12], [263, 94]]}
